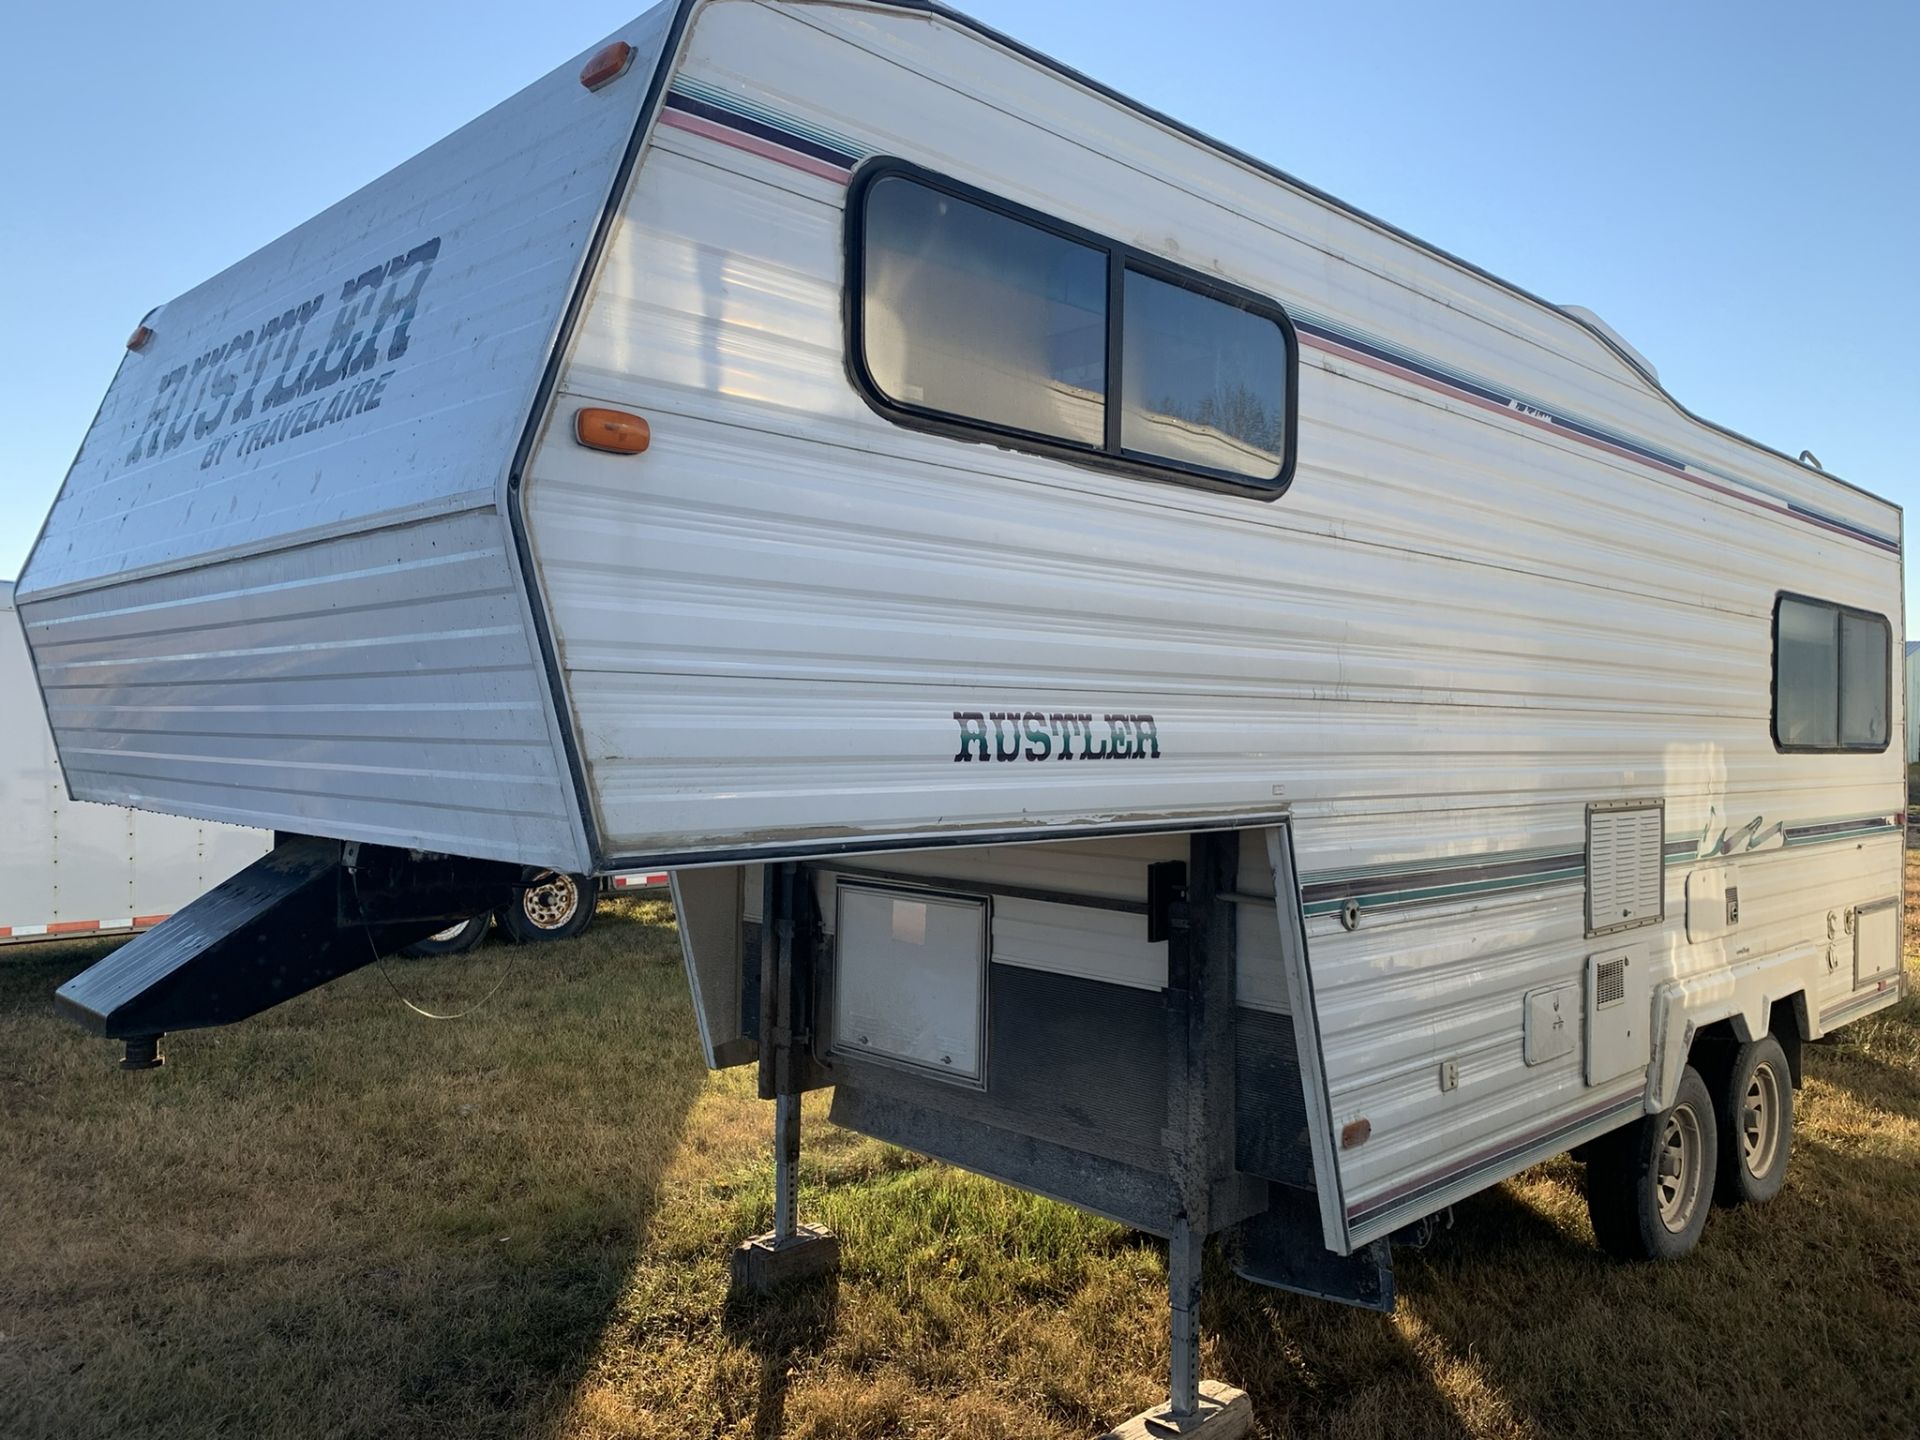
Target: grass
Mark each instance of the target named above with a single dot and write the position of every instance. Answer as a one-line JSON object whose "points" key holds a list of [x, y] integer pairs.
{"points": [[338, 1219]]}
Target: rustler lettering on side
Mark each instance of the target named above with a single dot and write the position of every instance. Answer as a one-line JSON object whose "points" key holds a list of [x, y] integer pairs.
{"points": [[998, 735]]}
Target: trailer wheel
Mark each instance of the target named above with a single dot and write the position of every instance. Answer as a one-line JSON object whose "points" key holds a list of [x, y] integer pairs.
{"points": [[1650, 1184], [1755, 1115], [454, 940], [554, 907]]}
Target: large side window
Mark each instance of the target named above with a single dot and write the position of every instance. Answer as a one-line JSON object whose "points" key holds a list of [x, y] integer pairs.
{"points": [[972, 315], [1830, 676]]}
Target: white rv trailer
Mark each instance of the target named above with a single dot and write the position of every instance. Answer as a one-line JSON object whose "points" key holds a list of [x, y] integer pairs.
{"points": [[1223, 712], [68, 868]]}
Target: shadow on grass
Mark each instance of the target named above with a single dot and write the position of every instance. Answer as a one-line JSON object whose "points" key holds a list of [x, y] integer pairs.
{"points": [[1797, 1308], [336, 1218], [1316, 1368], [784, 1331]]}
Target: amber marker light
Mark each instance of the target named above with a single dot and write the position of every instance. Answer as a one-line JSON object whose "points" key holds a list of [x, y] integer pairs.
{"points": [[614, 431], [609, 65], [139, 338]]}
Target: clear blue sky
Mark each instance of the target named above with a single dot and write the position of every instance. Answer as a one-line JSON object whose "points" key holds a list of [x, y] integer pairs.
{"points": [[1734, 187]]}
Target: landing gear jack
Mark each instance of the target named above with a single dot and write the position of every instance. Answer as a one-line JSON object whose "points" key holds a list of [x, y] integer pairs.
{"points": [[1202, 1409], [789, 1251], [1188, 910]]}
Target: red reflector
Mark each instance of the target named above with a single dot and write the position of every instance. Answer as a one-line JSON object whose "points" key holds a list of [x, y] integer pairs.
{"points": [[612, 430], [139, 338], [610, 64]]}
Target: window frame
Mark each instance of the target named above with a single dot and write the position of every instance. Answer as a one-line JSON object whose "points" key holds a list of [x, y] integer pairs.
{"points": [[1121, 258], [1839, 747]]}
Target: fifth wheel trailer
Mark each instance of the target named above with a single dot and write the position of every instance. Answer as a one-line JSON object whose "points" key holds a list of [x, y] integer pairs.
{"points": [[1154, 684], [68, 868]]}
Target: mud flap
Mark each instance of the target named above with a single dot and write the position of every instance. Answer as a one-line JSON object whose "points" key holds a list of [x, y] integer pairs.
{"points": [[1282, 1247], [309, 911]]}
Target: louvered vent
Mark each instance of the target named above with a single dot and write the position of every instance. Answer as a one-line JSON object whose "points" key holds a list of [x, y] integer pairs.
{"points": [[1626, 872], [1609, 983]]}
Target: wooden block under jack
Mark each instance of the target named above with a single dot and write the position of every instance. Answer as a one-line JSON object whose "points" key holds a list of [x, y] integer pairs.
{"points": [[762, 1262], [1225, 1414]]}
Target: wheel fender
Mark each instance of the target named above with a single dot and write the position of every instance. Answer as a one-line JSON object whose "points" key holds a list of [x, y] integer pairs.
{"points": [[1673, 1032]]}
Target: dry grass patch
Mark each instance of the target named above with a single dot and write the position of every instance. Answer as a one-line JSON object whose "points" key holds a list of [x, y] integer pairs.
{"points": [[338, 1219]]}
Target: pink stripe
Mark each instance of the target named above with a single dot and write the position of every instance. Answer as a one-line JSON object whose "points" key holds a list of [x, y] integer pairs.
{"points": [[1356, 357], [72, 927], [1386, 1198], [752, 144]]}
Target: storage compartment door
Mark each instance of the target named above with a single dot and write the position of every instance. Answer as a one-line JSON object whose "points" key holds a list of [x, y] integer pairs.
{"points": [[910, 980], [1306, 1027], [1876, 941]]}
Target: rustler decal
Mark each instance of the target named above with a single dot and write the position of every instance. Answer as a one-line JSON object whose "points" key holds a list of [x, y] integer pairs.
{"points": [[332, 353], [991, 735]]}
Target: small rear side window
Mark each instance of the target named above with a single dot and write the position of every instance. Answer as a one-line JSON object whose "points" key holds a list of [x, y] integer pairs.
{"points": [[1830, 676], [970, 315]]}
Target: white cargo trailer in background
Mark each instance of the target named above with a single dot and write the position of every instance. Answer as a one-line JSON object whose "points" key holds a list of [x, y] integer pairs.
{"points": [[1154, 684], [68, 867]]}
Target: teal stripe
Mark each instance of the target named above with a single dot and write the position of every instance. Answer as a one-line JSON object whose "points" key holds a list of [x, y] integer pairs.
{"points": [[1454, 891], [1680, 851], [1401, 867], [1883, 829], [741, 105], [1557, 412], [1485, 382]]}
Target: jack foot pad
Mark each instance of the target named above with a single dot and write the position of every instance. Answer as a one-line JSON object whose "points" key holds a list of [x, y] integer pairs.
{"points": [[142, 1053], [1225, 1414], [761, 1263]]}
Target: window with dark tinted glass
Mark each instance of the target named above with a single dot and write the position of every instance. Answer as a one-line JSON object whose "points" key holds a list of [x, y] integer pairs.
{"points": [[1830, 676], [1202, 383], [969, 313]]}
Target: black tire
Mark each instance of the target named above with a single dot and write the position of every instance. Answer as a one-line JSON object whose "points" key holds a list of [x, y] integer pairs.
{"points": [[1754, 1112], [454, 940], [1650, 1184], [554, 907]]}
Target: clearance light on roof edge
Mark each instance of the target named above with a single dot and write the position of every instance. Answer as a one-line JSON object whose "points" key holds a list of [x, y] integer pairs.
{"points": [[139, 338], [614, 431], [609, 65]]}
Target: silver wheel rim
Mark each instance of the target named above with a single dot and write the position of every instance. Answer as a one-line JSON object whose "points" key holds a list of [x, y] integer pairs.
{"points": [[1677, 1168], [451, 933], [552, 902], [1760, 1121]]}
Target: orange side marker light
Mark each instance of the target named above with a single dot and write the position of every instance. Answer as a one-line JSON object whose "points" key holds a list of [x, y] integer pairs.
{"points": [[614, 431], [607, 66], [138, 340]]}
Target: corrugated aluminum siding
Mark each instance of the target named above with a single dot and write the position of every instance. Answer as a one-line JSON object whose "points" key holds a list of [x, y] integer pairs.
{"points": [[374, 687], [1460, 628], [278, 585]]}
